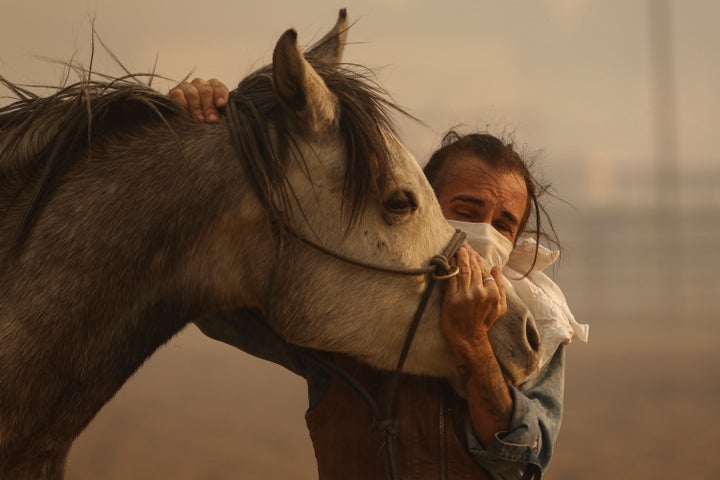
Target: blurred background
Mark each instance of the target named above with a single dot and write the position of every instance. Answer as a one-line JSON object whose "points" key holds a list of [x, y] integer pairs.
{"points": [[618, 102]]}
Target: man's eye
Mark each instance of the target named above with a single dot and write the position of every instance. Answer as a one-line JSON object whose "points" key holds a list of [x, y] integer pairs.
{"points": [[465, 214], [499, 226], [506, 230], [502, 227]]}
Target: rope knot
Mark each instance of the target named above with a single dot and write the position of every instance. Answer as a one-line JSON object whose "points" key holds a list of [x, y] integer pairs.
{"points": [[387, 427], [440, 262], [443, 269]]}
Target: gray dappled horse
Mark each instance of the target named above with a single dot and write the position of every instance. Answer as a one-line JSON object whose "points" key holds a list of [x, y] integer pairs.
{"points": [[122, 220]]}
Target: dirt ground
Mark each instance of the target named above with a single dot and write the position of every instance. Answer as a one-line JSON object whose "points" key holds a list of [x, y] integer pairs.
{"points": [[648, 414]]}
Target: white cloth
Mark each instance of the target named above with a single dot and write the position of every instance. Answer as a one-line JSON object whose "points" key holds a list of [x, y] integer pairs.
{"points": [[556, 323], [492, 245]]}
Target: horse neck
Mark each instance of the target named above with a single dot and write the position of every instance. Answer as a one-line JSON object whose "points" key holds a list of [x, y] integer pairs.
{"points": [[134, 243], [142, 205]]}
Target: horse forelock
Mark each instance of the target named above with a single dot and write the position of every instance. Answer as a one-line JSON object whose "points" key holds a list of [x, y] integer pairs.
{"points": [[365, 125]]}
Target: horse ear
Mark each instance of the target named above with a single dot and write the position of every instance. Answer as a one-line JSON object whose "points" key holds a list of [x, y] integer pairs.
{"points": [[300, 87], [329, 49]]}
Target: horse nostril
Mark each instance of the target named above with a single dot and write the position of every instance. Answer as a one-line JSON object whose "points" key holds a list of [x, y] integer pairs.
{"points": [[532, 336]]}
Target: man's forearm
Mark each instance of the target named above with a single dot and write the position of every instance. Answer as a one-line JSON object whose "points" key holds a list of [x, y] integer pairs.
{"points": [[488, 396]]}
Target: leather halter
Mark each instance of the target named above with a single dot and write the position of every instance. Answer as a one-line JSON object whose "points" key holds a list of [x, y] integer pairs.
{"points": [[439, 269]]}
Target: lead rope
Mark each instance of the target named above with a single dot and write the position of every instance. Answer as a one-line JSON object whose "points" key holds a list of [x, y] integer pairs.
{"points": [[387, 427], [384, 425]]}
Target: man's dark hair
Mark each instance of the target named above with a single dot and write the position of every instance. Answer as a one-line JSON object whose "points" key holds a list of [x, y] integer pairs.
{"points": [[501, 157]]}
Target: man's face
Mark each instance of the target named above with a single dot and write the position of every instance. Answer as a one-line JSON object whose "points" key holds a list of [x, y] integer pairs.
{"points": [[472, 192]]}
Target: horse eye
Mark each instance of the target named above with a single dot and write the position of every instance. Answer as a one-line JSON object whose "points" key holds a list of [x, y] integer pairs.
{"points": [[401, 202]]}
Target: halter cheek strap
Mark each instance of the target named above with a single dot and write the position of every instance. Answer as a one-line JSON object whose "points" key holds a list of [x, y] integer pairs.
{"points": [[439, 268]]}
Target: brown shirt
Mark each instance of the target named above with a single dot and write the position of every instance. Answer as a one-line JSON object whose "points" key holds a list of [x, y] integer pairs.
{"points": [[431, 440]]}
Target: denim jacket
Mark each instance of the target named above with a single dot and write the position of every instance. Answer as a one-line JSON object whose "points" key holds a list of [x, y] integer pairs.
{"points": [[534, 427]]}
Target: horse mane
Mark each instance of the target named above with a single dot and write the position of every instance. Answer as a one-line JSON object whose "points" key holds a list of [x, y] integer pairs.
{"points": [[32, 124], [41, 136]]}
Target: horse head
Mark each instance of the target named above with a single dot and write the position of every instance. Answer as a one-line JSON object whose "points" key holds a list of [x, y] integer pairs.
{"points": [[352, 187]]}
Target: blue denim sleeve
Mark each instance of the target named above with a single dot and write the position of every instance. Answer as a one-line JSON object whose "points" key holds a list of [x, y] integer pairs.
{"points": [[537, 413]]}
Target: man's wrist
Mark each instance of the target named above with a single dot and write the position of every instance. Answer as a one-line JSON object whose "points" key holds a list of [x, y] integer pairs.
{"points": [[471, 352]]}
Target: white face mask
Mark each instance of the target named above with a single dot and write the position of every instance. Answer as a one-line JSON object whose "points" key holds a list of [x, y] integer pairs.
{"points": [[492, 245]]}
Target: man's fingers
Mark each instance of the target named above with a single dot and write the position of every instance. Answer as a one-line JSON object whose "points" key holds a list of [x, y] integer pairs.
{"points": [[187, 95], [220, 91], [206, 99], [201, 98], [477, 268], [466, 271], [453, 282], [213, 94], [497, 275], [480, 265], [178, 96], [488, 280]]}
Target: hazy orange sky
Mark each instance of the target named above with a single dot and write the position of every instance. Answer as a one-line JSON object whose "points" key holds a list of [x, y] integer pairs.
{"points": [[569, 77]]}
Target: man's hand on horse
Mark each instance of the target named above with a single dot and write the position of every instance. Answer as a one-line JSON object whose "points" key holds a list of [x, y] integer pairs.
{"points": [[202, 98]]}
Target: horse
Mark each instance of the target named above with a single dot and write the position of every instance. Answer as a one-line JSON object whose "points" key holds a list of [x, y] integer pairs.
{"points": [[122, 220]]}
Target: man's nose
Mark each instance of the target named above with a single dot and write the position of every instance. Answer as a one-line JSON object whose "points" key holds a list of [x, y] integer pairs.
{"points": [[486, 214]]}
